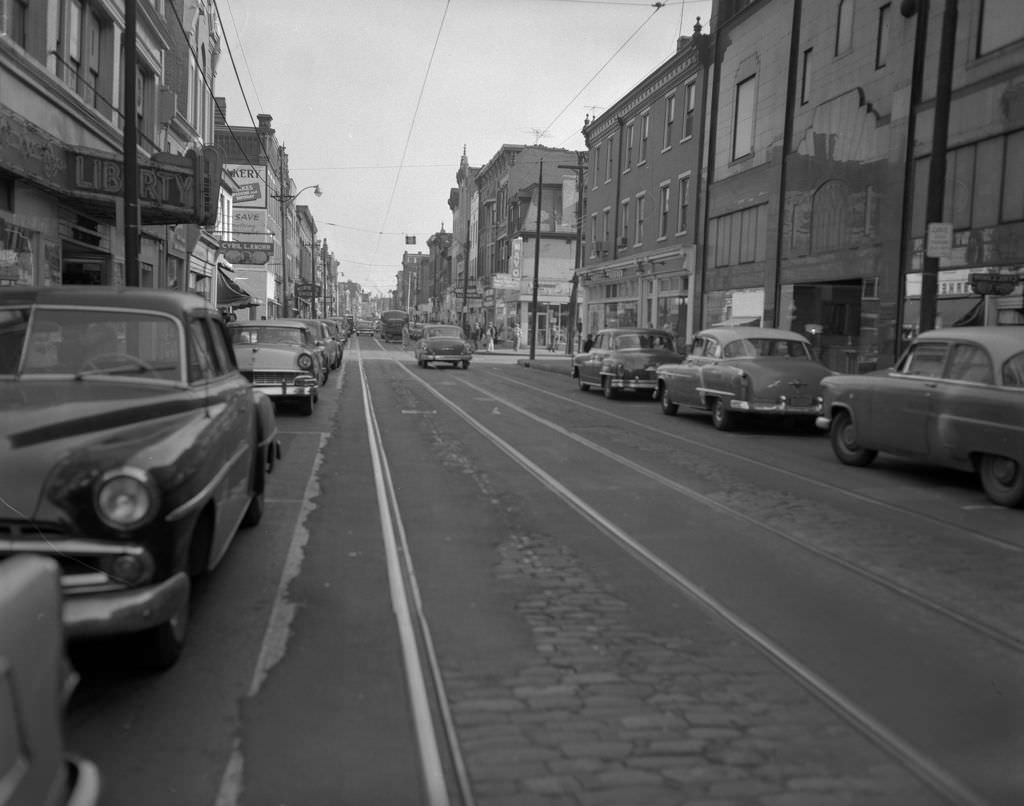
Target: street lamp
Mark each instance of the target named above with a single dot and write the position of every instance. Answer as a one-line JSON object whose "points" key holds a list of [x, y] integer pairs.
{"points": [[283, 199]]}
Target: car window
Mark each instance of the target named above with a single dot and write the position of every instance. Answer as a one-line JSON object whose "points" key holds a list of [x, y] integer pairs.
{"points": [[925, 359], [1013, 371], [222, 352], [200, 353], [741, 348], [13, 329], [627, 341], [712, 348], [100, 342], [969, 362]]}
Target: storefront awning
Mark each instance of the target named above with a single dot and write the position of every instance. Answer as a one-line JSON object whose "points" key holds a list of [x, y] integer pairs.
{"points": [[230, 294]]}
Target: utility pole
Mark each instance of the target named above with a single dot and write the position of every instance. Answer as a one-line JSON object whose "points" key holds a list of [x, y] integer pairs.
{"points": [[284, 228], [581, 164], [536, 266], [129, 145], [937, 161]]}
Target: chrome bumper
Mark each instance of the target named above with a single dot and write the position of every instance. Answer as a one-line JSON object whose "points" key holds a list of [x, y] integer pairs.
{"points": [[633, 383], [89, 615]]}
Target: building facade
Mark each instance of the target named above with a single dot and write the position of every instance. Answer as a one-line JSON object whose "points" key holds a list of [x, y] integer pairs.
{"points": [[641, 187], [821, 119], [62, 136]]}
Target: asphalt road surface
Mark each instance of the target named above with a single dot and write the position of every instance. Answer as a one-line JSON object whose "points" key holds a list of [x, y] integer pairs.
{"points": [[488, 587]]}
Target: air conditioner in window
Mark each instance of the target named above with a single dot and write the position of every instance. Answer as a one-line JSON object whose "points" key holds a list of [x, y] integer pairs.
{"points": [[623, 241]]}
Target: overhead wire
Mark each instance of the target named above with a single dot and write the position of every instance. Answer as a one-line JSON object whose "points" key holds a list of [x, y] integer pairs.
{"points": [[415, 113]]}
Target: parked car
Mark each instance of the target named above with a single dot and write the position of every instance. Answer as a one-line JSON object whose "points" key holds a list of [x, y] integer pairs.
{"points": [[280, 358], [624, 359], [741, 371], [36, 681], [415, 331], [134, 449], [954, 399], [443, 344], [330, 347]]}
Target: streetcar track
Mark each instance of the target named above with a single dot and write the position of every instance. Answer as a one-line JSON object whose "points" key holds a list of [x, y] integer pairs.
{"points": [[997, 542], [926, 770]]}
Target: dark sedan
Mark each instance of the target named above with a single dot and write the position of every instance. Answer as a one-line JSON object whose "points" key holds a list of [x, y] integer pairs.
{"points": [[624, 359], [954, 399], [133, 450], [443, 344]]}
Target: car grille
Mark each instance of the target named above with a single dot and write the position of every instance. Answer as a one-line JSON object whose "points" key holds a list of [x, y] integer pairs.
{"points": [[77, 569], [270, 378]]}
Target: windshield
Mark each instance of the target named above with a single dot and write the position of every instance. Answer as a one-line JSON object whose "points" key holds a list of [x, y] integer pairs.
{"points": [[760, 348], [267, 335], [644, 341], [443, 332], [89, 341]]}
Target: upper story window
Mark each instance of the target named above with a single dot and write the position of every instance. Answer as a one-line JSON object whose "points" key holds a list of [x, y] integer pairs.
{"points": [[641, 214], [645, 133], [1001, 24], [844, 27], [628, 147], [85, 55], [805, 75], [882, 45], [596, 163], [609, 159], [670, 119], [664, 209], [689, 108], [743, 119]]}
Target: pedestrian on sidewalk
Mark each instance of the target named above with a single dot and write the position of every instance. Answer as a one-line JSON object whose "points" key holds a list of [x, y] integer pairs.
{"points": [[517, 337], [490, 338]]}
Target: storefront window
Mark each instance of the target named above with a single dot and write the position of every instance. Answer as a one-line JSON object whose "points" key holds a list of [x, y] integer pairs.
{"points": [[17, 255]]}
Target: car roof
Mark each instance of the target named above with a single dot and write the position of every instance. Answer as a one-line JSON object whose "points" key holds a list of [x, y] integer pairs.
{"points": [[155, 299], [747, 332], [292, 323], [1002, 340]]}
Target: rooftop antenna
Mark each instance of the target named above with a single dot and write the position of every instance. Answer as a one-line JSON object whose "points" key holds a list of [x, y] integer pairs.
{"points": [[538, 134]]}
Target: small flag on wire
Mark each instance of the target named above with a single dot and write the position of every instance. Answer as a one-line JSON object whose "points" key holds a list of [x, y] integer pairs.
{"points": [[410, 239]]}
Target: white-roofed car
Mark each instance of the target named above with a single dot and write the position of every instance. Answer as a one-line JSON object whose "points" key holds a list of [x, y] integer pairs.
{"points": [[954, 399], [735, 372], [280, 357]]}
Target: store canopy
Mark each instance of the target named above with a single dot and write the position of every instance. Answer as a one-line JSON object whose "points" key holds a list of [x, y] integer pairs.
{"points": [[230, 294]]}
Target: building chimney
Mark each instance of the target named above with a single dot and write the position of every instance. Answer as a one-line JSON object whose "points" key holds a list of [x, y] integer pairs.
{"points": [[264, 123]]}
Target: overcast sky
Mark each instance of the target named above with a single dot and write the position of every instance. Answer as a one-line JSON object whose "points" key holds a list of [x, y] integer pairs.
{"points": [[374, 100]]}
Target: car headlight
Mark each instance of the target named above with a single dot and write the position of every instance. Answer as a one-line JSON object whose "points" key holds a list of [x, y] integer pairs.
{"points": [[125, 498], [305, 361]]}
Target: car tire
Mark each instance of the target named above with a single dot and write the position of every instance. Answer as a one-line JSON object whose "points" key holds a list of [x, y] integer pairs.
{"points": [[606, 387], [843, 436], [465, 365], [1002, 479], [160, 647], [721, 417], [584, 387], [668, 406], [254, 512]]}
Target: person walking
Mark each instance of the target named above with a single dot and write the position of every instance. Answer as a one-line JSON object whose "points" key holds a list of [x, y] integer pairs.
{"points": [[490, 338], [517, 337], [405, 336]]}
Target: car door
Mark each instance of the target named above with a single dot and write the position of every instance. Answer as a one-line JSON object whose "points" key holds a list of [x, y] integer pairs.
{"points": [[969, 412], [903, 404], [590, 368], [227, 437]]}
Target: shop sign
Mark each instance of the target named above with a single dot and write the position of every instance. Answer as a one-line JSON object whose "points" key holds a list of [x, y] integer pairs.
{"points": [[253, 253]]}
